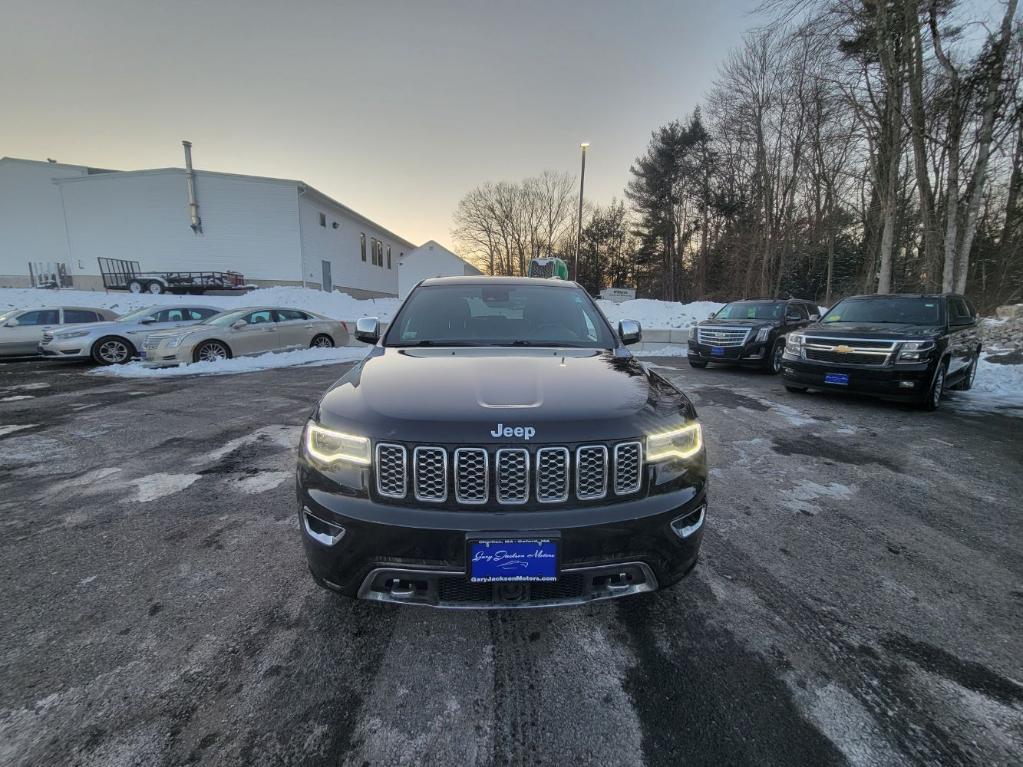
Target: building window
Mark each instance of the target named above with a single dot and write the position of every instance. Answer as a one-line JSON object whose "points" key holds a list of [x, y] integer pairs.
{"points": [[323, 220], [388, 256], [362, 245]]}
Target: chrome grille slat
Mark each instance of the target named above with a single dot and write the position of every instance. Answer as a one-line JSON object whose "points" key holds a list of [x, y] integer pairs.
{"points": [[430, 473], [552, 474], [392, 470], [590, 472], [472, 475], [628, 467], [712, 336], [512, 471]]}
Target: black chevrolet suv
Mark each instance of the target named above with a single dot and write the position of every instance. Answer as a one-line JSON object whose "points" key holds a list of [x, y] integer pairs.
{"points": [[749, 333], [908, 347], [500, 447]]}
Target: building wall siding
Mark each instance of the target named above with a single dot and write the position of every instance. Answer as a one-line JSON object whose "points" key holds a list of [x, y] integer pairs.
{"points": [[31, 217], [249, 225], [430, 260], [342, 248]]}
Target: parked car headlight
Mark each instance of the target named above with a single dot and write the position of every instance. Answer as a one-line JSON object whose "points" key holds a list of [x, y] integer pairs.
{"points": [[72, 334], [762, 335], [794, 343], [329, 446], [683, 442], [692, 333], [174, 342], [914, 351]]}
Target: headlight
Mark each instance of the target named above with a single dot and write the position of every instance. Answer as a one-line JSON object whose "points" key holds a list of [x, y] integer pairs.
{"points": [[72, 334], [794, 343], [914, 351], [329, 446], [762, 335], [692, 333], [683, 442], [174, 342]]}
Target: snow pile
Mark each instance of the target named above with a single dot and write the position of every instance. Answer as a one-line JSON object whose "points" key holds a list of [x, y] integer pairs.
{"points": [[658, 315], [268, 361], [997, 381], [339, 306]]}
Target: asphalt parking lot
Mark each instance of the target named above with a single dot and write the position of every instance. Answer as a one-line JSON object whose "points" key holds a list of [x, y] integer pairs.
{"points": [[859, 597]]}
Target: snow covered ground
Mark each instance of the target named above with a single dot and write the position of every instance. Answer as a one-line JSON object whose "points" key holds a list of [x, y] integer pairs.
{"points": [[269, 361]]}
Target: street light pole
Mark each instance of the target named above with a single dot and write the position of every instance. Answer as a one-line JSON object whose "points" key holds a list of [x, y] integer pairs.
{"points": [[579, 228]]}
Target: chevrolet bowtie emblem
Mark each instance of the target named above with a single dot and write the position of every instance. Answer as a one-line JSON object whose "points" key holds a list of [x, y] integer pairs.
{"points": [[843, 349]]}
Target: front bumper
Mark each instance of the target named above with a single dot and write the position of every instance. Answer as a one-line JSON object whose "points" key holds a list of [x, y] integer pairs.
{"points": [[159, 357], [903, 382], [67, 349], [416, 555], [752, 353]]}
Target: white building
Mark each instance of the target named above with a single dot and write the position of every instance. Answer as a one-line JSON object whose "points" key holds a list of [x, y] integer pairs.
{"points": [[431, 259], [273, 231]]}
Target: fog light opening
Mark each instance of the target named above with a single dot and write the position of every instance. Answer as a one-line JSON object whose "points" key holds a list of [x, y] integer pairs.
{"points": [[320, 530], [690, 523], [907, 384]]}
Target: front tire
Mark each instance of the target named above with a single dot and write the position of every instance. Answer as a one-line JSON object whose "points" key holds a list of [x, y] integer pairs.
{"points": [[322, 341], [774, 361], [932, 400], [112, 350], [211, 351], [698, 363]]}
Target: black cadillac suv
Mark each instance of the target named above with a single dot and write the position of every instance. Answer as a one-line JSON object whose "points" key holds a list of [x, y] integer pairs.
{"points": [[906, 347], [749, 333], [500, 447]]}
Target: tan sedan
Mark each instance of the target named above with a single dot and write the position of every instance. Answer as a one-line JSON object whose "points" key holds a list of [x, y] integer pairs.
{"points": [[22, 330], [243, 332]]}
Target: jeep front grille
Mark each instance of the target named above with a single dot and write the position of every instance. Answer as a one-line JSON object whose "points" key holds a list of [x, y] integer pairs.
{"points": [[722, 336], [508, 476]]}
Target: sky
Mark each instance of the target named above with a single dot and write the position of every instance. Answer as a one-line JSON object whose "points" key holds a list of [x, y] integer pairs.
{"points": [[396, 109]]}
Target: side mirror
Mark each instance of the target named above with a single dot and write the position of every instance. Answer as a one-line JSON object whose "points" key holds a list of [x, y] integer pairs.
{"points": [[793, 317], [630, 332], [711, 315], [11, 323], [367, 330], [147, 320], [814, 317], [239, 324]]}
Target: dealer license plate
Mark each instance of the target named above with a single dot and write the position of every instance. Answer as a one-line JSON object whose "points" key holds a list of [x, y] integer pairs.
{"points": [[717, 351], [142, 354], [839, 379], [513, 559]]}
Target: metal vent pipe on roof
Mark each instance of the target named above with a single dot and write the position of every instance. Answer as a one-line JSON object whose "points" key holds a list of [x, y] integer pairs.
{"points": [[193, 206]]}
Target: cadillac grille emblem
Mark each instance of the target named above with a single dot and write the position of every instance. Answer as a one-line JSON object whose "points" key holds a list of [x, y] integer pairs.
{"points": [[843, 349]]}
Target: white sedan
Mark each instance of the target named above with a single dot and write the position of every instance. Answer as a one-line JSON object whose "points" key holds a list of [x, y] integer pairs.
{"points": [[243, 332]]}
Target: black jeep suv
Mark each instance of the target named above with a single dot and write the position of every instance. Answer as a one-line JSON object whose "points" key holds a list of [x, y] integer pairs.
{"points": [[908, 347], [499, 447], [749, 333]]}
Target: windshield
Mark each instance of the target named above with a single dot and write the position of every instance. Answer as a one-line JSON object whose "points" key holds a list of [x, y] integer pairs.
{"points": [[137, 315], [752, 310], [500, 315], [908, 311], [226, 318]]}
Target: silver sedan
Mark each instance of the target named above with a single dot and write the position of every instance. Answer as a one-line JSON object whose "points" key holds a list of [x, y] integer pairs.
{"points": [[114, 343], [243, 332], [22, 330]]}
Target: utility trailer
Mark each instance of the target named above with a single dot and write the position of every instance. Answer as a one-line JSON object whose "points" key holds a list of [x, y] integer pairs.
{"points": [[122, 274]]}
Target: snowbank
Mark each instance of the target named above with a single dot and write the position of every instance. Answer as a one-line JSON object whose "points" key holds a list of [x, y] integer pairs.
{"points": [[269, 361], [658, 315], [339, 306]]}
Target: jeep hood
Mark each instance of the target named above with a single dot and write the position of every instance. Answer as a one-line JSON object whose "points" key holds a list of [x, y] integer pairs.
{"points": [[461, 395]]}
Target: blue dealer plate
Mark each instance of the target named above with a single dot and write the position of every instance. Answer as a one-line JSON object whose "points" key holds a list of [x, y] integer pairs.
{"points": [[513, 559], [717, 351], [142, 354], [839, 379]]}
